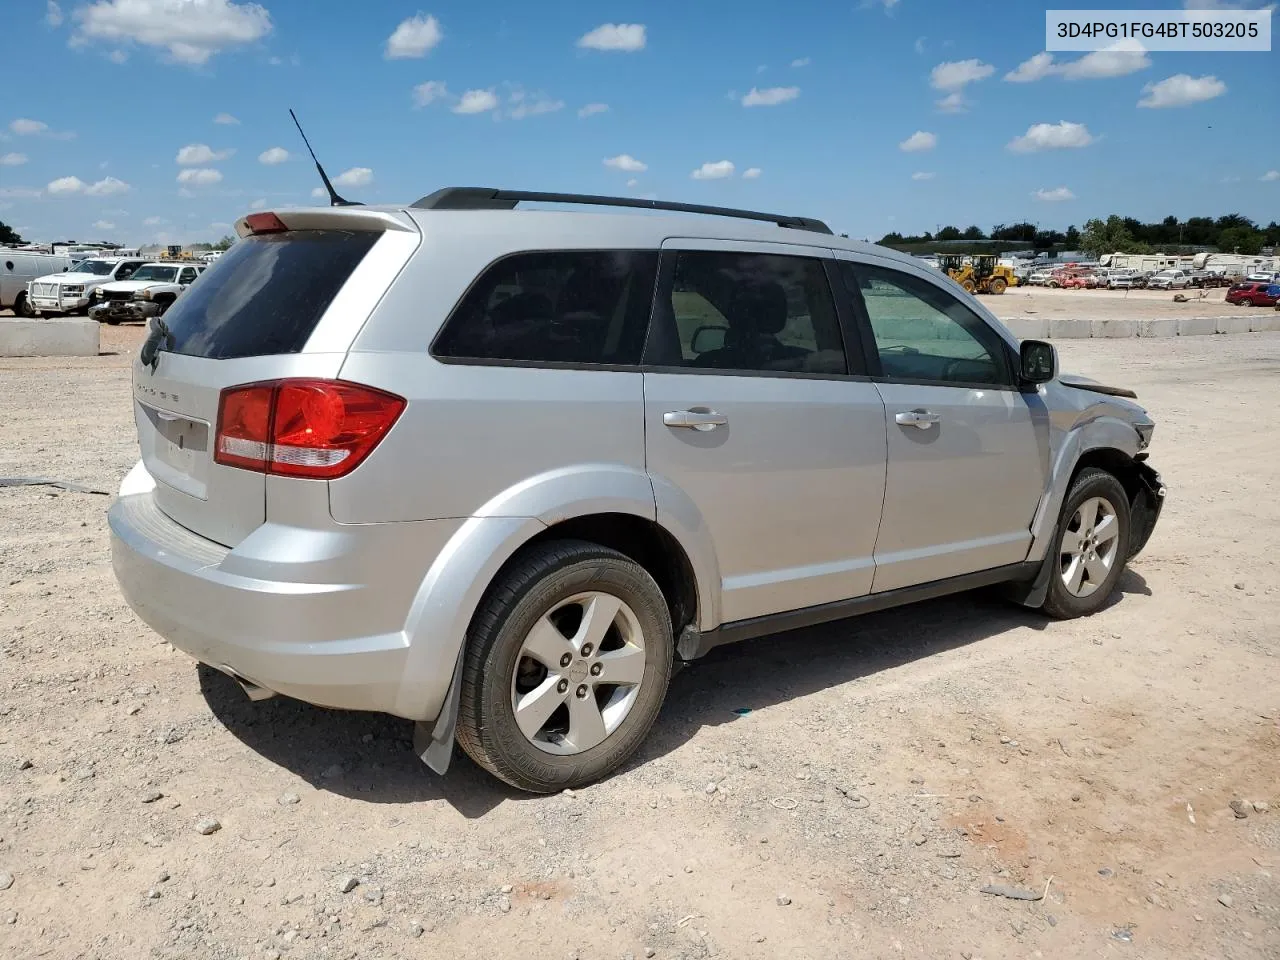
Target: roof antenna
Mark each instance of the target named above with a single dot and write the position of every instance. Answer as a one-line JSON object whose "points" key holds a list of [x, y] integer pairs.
{"points": [[334, 199]]}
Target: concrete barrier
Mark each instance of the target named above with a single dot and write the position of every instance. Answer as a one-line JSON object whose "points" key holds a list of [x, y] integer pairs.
{"points": [[49, 338], [1069, 329], [1158, 328], [1028, 328], [1238, 324], [1197, 326], [1263, 320], [1113, 328]]}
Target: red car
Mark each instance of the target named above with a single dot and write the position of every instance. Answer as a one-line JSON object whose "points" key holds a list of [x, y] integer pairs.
{"points": [[1253, 293]]}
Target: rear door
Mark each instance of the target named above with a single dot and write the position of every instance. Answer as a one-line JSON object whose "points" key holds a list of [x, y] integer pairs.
{"points": [[968, 453], [256, 316], [755, 415]]}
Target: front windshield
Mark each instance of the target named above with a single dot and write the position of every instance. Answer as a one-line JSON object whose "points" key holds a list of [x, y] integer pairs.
{"points": [[166, 274], [99, 268]]}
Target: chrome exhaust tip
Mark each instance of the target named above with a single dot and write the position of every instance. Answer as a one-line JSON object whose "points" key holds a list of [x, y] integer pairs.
{"points": [[252, 690]]}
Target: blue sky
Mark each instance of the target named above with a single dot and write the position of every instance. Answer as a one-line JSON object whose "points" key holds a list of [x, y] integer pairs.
{"points": [[875, 115]]}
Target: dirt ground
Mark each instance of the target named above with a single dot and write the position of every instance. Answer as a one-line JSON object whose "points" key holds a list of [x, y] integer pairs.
{"points": [[888, 768], [1111, 304]]}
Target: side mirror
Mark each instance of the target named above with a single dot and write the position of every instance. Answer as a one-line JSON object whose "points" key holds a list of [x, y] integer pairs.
{"points": [[1037, 361], [707, 338]]}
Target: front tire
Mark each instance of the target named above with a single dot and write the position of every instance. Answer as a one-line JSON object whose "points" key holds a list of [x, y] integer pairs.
{"points": [[1091, 546], [21, 308], [567, 664]]}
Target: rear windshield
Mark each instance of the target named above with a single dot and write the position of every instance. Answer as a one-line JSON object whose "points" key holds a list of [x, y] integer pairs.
{"points": [[266, 294]]}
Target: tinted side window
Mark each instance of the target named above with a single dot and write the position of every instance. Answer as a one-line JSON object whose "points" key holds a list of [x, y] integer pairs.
{"points": [[922, 333], [748, 311], [576, 307]]}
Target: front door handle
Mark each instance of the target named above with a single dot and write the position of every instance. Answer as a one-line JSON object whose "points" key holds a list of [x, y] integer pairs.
{"points": [[694, 419], [917, 418]]}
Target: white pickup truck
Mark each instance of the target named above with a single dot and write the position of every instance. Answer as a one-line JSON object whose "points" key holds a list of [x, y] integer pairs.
{"points": [[72, 291], [147, 293]]}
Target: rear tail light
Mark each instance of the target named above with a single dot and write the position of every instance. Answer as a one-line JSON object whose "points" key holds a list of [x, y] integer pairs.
{"points": [[319, 429]]}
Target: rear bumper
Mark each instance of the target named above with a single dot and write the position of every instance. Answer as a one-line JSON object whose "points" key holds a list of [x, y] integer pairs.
{"points": [[334, 644]]}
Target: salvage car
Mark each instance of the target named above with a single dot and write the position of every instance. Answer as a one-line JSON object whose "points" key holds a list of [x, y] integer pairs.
{"points": [[1251, 293], [72, 291], [1169, 280], [498, 470], [149, 292]]}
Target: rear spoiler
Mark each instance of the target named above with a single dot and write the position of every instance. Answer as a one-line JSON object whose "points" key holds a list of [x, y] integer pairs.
{"points": [[324, 218]]}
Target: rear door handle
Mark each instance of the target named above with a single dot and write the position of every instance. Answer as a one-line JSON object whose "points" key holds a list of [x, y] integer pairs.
{"points": [[694, 419], [917, 418]]}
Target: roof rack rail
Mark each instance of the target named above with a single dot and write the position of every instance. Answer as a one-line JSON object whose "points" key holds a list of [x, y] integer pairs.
{"points": [[487, 198]]}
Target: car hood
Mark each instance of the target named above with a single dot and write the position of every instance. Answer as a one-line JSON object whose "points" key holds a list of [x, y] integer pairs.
{"points": [[1088, 383], [125, 286], [69, 277]]}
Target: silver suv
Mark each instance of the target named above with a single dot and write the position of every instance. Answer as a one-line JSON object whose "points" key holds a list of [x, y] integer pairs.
{"points": [[496, 470]]}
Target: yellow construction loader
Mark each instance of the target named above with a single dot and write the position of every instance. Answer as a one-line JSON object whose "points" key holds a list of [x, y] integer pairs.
{"points": [[982, 274]]}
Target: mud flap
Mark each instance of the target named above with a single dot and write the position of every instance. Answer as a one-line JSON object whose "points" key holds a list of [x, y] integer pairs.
{"points": [[433, 739], [1031, 593]]}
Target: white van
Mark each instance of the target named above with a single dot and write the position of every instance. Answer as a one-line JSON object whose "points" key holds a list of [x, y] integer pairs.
{"points": [[18, 268]]}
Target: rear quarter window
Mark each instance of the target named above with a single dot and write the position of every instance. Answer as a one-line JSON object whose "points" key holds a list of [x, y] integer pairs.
{"points": [[266, 294]]}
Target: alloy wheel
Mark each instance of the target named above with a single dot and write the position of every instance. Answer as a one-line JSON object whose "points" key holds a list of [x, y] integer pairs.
{"points": [[1090, 546], [578, 673]]}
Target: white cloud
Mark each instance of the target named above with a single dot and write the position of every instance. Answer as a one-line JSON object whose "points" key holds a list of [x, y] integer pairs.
{"points": [[476, 101], [1271, 176], [102, 188], [414, 37], [626, 163], [801, 62], [1054, 195], [107, 187], [200, 177], [153, 221], [273, 156], [65, 185], [918, 141], [627, 37], [355, 177], [714, 171], [27, 128], [226, 119], [319, 193], [12, 159], [191, 31], [1029, 71], [953, 103], [521, 104], [1181, 90], [198, 154], [922, 175], [429, 92], [258, 204], [958, 74], [633, 182], [118, 56], [1052, 136], [185, 193], [770, 96], [103, 225], [53, 14], [919, 45], [752, 173], [1119, 60], [591, 109]]}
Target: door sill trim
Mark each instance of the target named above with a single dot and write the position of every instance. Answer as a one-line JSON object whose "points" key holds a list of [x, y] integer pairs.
{"points": [[694, 645]]}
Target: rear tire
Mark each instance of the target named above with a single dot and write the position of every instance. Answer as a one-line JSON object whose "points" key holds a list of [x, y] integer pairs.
{"points": [[545, 641], [1091, 546], [21, 308]]}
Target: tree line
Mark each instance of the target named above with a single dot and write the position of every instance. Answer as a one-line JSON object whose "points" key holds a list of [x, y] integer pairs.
{"points": [[1232, 233]]}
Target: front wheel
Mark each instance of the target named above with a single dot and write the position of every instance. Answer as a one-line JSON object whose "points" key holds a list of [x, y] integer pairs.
{"points": [[22, 308], [567, 664], [997, 285], [1092, 546]]}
